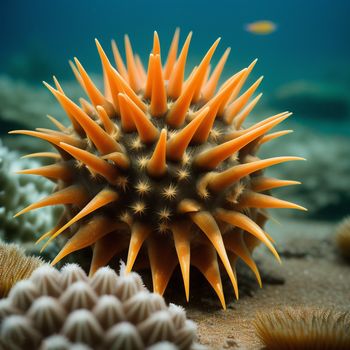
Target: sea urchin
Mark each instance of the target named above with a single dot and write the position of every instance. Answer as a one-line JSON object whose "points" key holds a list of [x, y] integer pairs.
{"points": [[160, 166]]}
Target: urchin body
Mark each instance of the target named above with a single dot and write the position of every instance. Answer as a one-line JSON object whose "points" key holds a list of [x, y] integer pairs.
{"points": [[162, 168]]}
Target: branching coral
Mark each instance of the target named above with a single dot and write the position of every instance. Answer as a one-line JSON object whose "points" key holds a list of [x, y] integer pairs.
{"points": [[342, 237], [304, 328], [160, 166], [16, 191], [55, 308], [14, 266]]}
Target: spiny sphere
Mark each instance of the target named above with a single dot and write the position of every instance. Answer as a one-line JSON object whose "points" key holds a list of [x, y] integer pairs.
{"points": [[160, 167], [57, 309]]}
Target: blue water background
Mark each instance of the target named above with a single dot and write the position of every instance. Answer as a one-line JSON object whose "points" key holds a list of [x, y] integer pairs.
{"points": [[311, 43]]}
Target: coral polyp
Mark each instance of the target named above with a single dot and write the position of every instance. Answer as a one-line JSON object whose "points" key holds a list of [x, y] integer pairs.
{"points": [[159, 166]]}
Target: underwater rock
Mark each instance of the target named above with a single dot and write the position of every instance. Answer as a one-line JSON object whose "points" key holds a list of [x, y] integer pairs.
{"points": [[305, 249], [325, 189], [304, 328], [314, 99], [17, 191], [108, 311], [15, 266], [160, 165]]}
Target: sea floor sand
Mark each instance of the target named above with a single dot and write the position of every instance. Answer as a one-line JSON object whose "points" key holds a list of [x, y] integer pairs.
{"points": [[311, 274]]}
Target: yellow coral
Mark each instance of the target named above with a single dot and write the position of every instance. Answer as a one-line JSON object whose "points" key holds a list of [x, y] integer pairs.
{"points": [[14, 266], [304, 328]]}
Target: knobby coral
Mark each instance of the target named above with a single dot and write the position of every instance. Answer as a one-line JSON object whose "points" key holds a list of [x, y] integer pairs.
{"points": [[16, 191], [55, 309], [304, 328], [160, 166], [15, 266]]}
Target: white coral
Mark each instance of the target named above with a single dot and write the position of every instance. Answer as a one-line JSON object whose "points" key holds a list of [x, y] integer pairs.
{"points": [[104, 312], [16, 192]]}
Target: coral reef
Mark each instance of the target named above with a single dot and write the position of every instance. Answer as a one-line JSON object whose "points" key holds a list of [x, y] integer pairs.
{"points": [[160, 167], [56, 309], [33, 63], [304, 328], [22, 104], [19, 190], [342, 237], [15, 266], [314, 99], [325, 191]]}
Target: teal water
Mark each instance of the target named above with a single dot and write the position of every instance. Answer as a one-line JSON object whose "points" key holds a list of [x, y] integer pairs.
{"points": [[310, 44], [311, 41], [305, 63]]}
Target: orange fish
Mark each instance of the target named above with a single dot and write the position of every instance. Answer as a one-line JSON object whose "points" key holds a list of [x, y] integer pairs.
{"points": [[261, 27]]}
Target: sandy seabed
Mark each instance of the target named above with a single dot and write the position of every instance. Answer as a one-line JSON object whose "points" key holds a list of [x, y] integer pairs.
{"points": [[312, 274]]}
